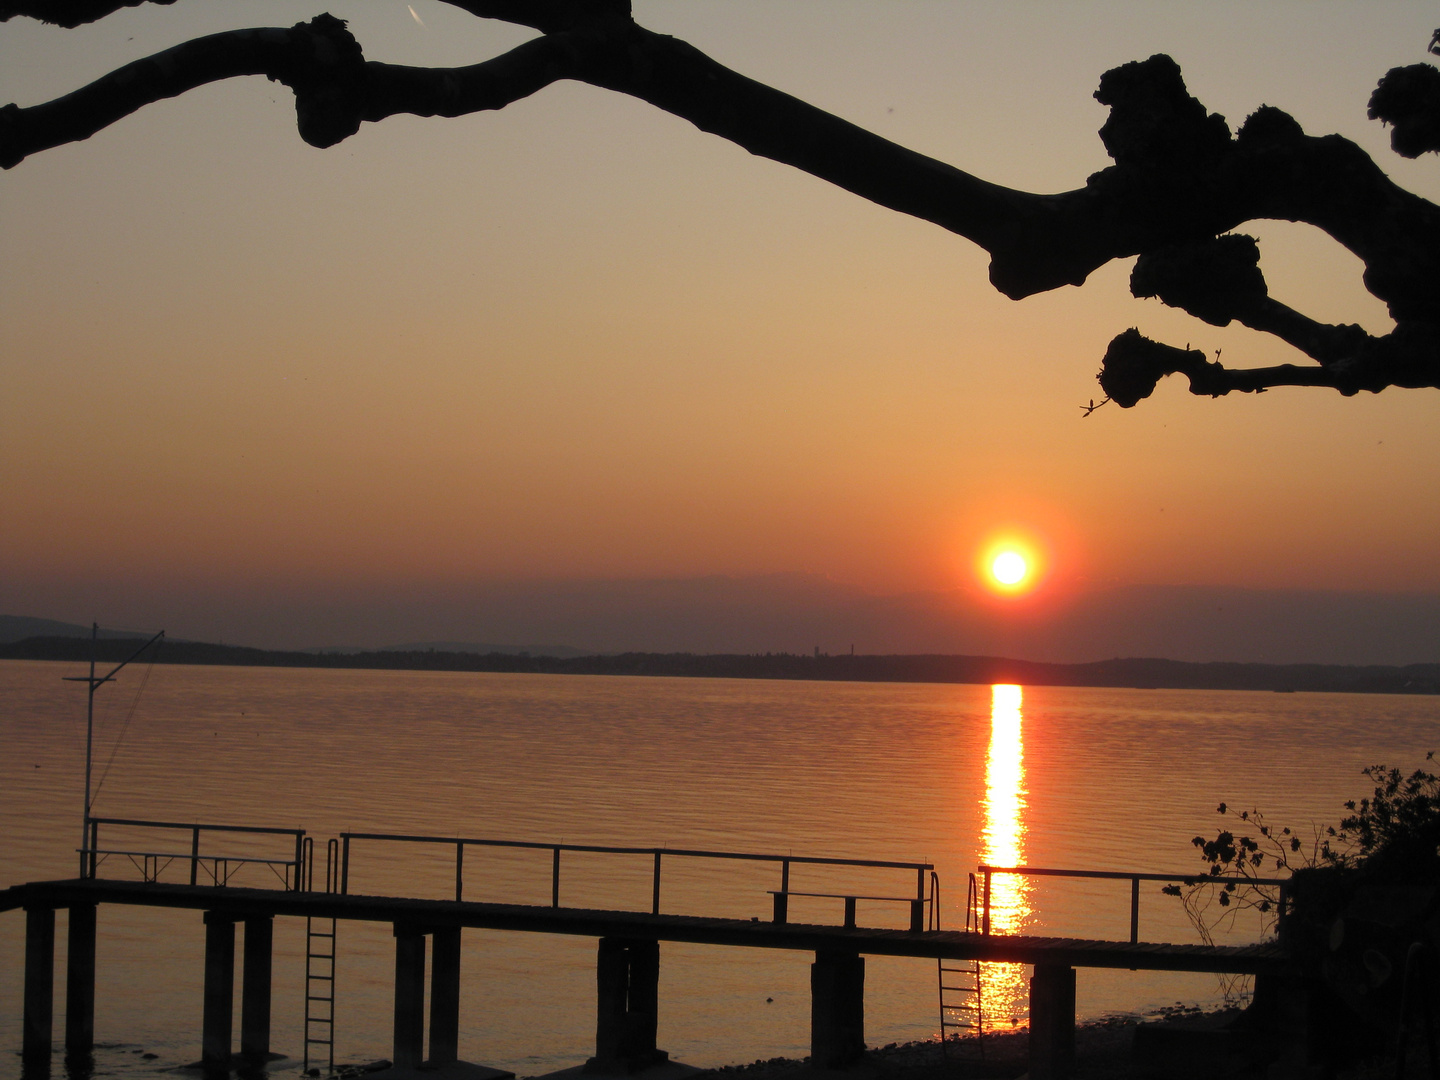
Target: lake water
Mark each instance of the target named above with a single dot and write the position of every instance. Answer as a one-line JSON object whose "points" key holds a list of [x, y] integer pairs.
{"points": [[954, 775]]}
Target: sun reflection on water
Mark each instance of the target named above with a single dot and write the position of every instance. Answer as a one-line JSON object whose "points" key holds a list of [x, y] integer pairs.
{"points": [[1005, 994]]}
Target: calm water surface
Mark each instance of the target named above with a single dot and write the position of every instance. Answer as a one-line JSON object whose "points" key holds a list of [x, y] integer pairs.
{"points": [[954, 775]]}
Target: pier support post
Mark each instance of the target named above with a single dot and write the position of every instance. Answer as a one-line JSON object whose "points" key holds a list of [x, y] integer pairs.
{"points": [[627, 1006], [39, 985], [255, 989], [219, 1010], [837, 1009], [80, 981], [409, 1051], [445, 997], [1052, 1022]]}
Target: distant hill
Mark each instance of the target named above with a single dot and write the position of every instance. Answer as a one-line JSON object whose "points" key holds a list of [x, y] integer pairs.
{"points": [[475, 648], [1139, 672], [20, 627]]}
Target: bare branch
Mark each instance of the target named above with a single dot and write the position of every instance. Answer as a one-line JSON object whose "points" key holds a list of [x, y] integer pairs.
{"points": [[548, 16], [1409, 98], [1178, 176], [335, 88], [1133, 365], [1220, 281], [67, 13], [1178, 183]]}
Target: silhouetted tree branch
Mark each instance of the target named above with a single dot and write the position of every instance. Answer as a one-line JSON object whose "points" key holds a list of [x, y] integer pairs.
{"points": [[1179, 184]]}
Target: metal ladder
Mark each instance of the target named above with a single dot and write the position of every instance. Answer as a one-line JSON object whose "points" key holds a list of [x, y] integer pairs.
{"points": [[320, 962], [961, 997]]}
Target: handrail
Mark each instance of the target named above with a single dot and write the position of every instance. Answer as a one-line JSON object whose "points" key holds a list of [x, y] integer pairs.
{"points": [[1134, 877], [90, 863], [781, 895], [611, 850], [196, 825]]}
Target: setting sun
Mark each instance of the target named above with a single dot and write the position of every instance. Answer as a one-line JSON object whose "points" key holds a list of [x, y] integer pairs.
{"points": [[1012, 563], [1009, 568]]}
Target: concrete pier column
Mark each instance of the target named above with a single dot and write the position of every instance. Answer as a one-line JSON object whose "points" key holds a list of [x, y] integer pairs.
{"points": [[612, 984], [627, 985], [255, 982], [219, 1010], [837, 1009], [445, 997], [80, 981], [1052, 1022], [409, 1049], [644, 1000], [39, 985]]}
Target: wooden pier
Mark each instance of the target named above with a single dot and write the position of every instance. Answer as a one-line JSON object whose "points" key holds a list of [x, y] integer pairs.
{"points": [[627, 966]]}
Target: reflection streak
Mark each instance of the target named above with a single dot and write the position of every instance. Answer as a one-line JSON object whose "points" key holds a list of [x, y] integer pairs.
{"points": [[1004, 990]]}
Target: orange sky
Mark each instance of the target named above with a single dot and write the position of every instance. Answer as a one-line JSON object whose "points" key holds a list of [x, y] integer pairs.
{"points": [[578, 338]]}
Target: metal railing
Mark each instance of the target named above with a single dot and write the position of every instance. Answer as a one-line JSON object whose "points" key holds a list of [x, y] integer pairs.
{"points": [[219, 868], [332, 865], [1134, 878], [781, 896]]}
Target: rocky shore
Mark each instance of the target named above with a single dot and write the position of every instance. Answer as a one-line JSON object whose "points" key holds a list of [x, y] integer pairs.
{"points": [[1103, 1048]]}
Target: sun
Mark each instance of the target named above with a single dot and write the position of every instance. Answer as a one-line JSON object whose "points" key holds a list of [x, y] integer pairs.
{"points": [[1012, 564], [1009, 568]]}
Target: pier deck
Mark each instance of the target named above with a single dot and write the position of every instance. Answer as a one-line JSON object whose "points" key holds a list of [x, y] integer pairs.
{"points": [[243, 903]]}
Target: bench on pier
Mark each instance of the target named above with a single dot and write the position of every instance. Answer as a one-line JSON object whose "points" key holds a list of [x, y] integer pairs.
{"points": [[917, 905], [153, 862]]}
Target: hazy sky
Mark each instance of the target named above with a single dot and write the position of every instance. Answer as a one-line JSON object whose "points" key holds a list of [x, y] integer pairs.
{"points": [[580, 339]]}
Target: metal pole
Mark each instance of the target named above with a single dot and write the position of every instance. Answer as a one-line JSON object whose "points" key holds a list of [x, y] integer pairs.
{"points": [[555, 880], [655, 892], [459, 869], [89, 729], [345, 866], [94, 683], [1134, 910], [194, 854], [782, 898], [985, 922]]}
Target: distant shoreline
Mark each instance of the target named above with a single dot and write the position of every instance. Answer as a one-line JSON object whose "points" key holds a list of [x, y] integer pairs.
{"points": [[1119, 673]]}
